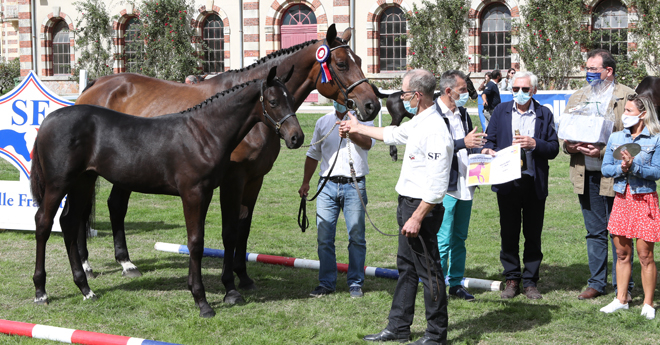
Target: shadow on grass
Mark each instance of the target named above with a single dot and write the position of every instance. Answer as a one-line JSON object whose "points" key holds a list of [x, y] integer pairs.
{"points": [[105, 228], [514, 317]]}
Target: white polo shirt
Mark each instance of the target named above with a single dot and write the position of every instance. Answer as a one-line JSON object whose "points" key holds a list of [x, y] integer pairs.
{"points": [[326, 150], [427, 159]]}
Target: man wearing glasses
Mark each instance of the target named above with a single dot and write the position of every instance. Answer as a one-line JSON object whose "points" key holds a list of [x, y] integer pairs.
{"points": [[422, 185], [595, 192], [526, 122]]}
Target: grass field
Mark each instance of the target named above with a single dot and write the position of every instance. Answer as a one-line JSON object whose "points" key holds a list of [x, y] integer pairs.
{"points": [[159, 306]]}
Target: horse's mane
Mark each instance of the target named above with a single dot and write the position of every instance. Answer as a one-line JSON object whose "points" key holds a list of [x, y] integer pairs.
{"points": [[285, 51], [220, 94]]}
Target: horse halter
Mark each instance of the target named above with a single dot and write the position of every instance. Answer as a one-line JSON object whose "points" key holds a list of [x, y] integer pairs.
{"points": [[276, 124], [350, 103]]}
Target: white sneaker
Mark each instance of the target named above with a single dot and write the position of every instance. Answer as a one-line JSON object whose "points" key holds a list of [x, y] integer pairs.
{"points": [[648, 312], [614, 306]]}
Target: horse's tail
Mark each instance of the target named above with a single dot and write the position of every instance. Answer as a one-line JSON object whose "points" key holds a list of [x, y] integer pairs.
{"points": [[36, 177], [377, 92], [89, 84]]}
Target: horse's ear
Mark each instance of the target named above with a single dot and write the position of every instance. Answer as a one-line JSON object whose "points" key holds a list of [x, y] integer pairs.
{"points": [[346, 36], [271, 76], [331, 34], [468, 75], [288, 76]]}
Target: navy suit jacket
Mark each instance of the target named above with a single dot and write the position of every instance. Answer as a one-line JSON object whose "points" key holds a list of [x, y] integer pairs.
{"points": [[500, 135]]}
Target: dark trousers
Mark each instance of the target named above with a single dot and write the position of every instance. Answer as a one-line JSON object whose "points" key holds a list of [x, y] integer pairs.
{"points": [[412, 265], [596, 210], [521, 205]]}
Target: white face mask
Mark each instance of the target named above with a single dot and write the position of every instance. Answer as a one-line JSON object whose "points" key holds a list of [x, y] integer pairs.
{"points": [[629, 121]]}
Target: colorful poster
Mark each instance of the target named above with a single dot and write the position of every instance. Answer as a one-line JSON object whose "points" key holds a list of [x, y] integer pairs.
{"points": [[485, 169]]}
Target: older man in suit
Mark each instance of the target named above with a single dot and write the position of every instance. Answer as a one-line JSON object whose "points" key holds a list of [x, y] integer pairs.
{"points": [[526, 122]]}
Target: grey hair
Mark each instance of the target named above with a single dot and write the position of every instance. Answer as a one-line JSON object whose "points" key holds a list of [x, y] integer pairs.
{"points": [[644, 103], [448, 79], [422, 81], [533, 79]]}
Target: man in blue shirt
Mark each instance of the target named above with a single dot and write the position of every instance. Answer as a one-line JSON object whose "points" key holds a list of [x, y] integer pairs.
{"points": [[491, 94]]}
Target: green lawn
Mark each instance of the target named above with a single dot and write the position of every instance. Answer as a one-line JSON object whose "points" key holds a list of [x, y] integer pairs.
{"points": [[159, 306]]}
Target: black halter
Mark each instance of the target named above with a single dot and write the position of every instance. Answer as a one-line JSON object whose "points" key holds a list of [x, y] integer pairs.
{"points": [[344, 90], [277, 125]]}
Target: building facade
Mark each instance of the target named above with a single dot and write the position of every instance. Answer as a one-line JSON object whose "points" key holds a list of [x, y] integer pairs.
{"points": [[238, 32]]}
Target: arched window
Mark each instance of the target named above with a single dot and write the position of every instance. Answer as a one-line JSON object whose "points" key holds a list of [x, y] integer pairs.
{"points": [[214, 40], [611, 26], [496, 38], [61, 49], [134, 45], [392, 43], [298, 26]]}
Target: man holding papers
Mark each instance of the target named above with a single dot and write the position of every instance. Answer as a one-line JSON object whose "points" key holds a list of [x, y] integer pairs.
{"points": [[526, 122]]}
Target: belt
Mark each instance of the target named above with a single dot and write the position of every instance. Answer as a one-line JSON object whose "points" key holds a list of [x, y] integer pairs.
{"points": [[344, 179]]}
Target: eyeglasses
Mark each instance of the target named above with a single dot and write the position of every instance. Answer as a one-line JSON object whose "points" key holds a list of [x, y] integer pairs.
{"points": [[593, 69], [403, 93], [517, 88]]}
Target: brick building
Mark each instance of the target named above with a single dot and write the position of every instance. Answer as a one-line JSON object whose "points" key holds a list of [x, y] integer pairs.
{"points": [[37, 32]]}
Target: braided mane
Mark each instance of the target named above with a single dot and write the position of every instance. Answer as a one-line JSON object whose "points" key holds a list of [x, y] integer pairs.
{"points": [[220, 94]]}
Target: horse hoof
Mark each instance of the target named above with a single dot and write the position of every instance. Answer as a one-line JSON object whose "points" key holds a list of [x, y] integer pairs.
{"points": [[131, 273], [90, 274], [233, 297], [91, 296], [41, 300], [207, 312]]}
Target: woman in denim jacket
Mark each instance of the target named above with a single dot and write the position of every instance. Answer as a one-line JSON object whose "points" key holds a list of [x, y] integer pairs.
{"points": [[635, 212]]}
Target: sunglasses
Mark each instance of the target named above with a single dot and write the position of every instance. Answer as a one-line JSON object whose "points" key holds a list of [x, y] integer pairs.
{"points": [[517, 88]]}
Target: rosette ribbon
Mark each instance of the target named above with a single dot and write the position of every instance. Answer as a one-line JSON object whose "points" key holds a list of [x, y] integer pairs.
{"points": [[322, 55]]}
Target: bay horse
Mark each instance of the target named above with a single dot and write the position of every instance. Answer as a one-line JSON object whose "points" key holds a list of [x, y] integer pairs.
{"points": [[398, 112], [254, 157], [183, 154]]}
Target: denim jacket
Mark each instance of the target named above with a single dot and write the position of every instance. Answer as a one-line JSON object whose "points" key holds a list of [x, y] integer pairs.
{"points": [[645, 169]]}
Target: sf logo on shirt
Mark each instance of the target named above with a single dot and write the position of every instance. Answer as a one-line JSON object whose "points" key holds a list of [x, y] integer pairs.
{"points": [[434, 155]]}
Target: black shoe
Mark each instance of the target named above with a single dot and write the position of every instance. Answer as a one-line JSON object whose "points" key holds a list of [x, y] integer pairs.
{"points": [[387, 335], [425, 340], [461, 292], [320, 291]]}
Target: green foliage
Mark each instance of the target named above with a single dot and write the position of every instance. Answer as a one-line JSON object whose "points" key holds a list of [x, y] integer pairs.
{"points": [[8, 71], [550, 38], [437, 35], [628, 70], [93, 39], [645, 32], [168, 51]]}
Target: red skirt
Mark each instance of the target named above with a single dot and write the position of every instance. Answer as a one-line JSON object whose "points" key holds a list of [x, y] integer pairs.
{"points": [[635, 216]]}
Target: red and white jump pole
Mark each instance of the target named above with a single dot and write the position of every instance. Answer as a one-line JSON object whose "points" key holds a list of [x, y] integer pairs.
{"points": [[70, 336], [491, 285]]}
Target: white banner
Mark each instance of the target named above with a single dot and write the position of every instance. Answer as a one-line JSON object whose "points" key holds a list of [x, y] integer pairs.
{"points": [[21, 113]]}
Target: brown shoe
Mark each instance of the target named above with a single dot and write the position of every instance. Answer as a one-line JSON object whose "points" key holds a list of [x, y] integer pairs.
{"points": [[511, 290], [532, 293], [589, 293]]}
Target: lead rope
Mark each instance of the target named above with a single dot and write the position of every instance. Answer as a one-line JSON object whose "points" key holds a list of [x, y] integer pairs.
{"points": [[428, 260]]}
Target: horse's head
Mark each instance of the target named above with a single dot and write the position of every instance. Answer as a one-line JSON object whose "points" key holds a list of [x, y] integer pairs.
{"points": [[348, 86], [470, 86], [277, 103]]}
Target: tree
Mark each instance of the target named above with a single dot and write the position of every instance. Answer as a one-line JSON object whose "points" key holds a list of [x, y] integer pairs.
{"points": [[551, 37], [168, 50], [9, 71], [93, 39], [646, 34], [437, 35]]}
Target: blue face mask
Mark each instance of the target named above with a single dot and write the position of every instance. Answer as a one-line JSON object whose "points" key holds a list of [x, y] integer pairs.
{"points": [[592, 77], [463, 99], [406, 104], [340, 108], [521, 97]]}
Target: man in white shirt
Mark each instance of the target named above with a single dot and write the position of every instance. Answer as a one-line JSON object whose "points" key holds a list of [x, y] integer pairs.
{"points": [[339, 193], [421, 187], [458, 201]]}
